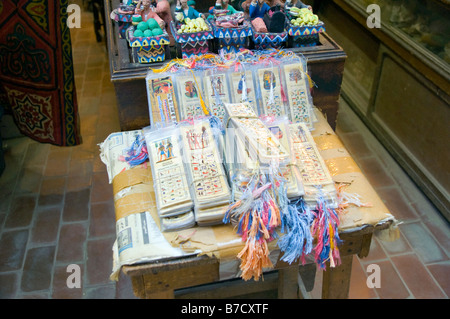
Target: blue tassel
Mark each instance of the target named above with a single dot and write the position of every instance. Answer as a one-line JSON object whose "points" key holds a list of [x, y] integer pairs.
{"points": [[297, 242], [137, 154]]}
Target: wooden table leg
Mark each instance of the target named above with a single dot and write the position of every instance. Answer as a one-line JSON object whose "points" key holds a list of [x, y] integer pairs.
{"points": [[336, 281], [288, 283]]}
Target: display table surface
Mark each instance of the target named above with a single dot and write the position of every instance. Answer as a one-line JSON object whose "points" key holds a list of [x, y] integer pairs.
{"points": [[219, 245], [325, 66]]}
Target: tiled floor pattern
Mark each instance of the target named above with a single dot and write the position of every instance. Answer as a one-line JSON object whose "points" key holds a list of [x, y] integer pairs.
{"points": [[56, 206]]}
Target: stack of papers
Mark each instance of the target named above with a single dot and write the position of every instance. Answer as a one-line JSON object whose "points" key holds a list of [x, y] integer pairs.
{"points": [[316, 178], [173, 198], [207, 177], [259, 141], [291, 171]]}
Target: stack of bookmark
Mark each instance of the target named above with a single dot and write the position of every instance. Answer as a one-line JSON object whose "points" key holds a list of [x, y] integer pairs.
{"points": [[207, 178], [173, 199], [242, 165], [259, 141], [316, 178], [300, 103], [291, 171]]}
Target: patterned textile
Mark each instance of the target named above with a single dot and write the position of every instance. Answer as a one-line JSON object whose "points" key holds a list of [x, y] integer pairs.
{"points": [[36, 70]]}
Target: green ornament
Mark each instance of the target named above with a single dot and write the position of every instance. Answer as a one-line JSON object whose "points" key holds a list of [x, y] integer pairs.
{"points": [[152, 24], [157, 32], [138, 34], [142, 26], [148, 33]]}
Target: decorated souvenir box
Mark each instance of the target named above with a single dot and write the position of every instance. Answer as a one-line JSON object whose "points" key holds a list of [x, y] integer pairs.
{"points": [[124, 21], [192, 43], [232, 39], [264, 40], [148, 49], [302, 36]]}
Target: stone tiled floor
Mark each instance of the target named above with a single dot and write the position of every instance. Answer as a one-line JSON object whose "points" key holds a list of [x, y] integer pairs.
{"points": [[56, 206]]}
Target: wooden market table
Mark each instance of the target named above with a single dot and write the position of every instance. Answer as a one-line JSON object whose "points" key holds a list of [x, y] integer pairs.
{"points": [[202, 273], [325, 66], [199, 276], [166, 279]]}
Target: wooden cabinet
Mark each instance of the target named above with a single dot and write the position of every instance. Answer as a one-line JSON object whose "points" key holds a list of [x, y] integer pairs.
{"points": [[325, 63], [397, 80]]}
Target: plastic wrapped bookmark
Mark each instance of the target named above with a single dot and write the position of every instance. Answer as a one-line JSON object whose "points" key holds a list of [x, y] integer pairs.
{"points": [[260, 140], [207, 178], [217, 92], [270, 88], [316, 178], [169, 177], [162, 101], [243, 88], [189, 92], [291, 172], [239, 162], [300, 107]]}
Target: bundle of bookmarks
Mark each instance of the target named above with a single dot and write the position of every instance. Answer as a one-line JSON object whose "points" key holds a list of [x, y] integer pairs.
{"points": [[280, 188], [275, 82], [316, 178], [206, 173], [173, 198], [138, 237], [261, 181]]}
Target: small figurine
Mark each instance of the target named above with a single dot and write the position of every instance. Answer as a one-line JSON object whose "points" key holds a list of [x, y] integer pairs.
{"points": [[164, 12], [271, 3], [225, 5], [187, 11], [146, 9], [258, 9], [211, 15]]}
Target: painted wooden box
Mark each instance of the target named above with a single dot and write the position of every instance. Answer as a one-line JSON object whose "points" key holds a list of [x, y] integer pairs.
{"points": [[192, 43]]}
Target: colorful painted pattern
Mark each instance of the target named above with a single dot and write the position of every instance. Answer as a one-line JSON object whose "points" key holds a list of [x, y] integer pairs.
{"points": [[305, 30], [191, 49], [233, 33], [265, 40], [191, 37], [148, 41], [149, 54], [41, 89], [231, 40]]}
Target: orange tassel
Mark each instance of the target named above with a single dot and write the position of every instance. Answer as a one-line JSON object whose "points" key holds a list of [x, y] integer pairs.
{"points": [[254, 258]]}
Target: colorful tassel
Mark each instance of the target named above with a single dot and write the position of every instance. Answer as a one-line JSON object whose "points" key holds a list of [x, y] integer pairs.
{"points": [[137, 154], [257, 215], [297, 241], [325, 229]]}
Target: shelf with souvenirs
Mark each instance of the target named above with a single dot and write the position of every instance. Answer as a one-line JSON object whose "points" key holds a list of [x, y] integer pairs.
{"points": [[190, 31], [232, 30], [215, 154], [325, 64], [144, 24]]}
